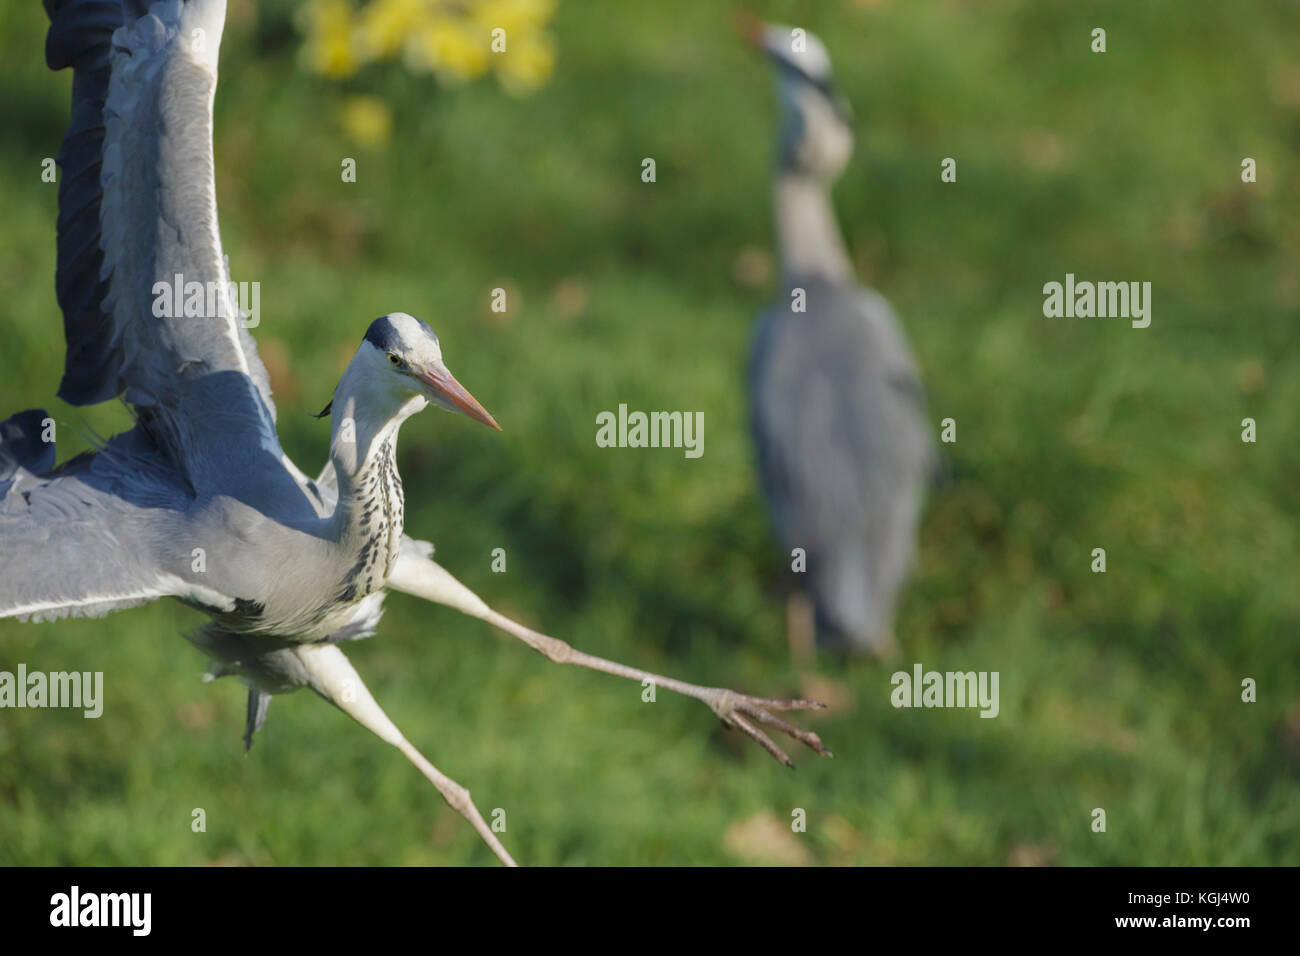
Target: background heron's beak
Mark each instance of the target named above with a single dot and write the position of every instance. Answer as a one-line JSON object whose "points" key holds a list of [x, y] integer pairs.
{"points": [[444, 390]]}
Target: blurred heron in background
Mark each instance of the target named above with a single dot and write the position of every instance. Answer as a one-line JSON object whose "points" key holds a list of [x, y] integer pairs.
{"points": [[844, 450], [198, 501]]}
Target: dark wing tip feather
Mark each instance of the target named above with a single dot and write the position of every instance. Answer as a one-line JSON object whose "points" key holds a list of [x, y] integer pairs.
{"points": [[22, 444], [80, 34], [80, 29]]}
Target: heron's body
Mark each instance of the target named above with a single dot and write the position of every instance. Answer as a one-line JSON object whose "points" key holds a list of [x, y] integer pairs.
{"points": [[278, 556], [198, 502], [843, 452], [838, 407]]}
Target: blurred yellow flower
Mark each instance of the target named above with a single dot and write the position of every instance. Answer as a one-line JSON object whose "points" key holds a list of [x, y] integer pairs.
{"points": [[385, 25], [451, 38], [366, 120], [329, 49], [453, 48], [514, 16], [526, 64]]}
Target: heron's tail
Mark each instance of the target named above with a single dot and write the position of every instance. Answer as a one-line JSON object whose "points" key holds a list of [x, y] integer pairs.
{"points": [[25, 452]]}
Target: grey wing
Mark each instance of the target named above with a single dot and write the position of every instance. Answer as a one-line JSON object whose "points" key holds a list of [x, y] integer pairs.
{"points": [[844, 449], [87, 539], [138, 229]]}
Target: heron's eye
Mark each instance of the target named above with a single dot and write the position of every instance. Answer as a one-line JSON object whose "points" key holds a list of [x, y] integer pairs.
{"points": [[392, 357]]}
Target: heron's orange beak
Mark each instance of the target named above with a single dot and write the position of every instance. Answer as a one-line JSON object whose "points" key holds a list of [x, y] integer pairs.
{"points": [[449, 393]]}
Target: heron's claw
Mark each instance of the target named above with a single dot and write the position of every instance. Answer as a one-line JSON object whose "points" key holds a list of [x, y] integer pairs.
{"points": [[742, 711]]}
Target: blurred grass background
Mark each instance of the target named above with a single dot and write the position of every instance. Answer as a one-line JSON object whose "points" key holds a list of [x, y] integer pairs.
{"points": [[1119, 691]]}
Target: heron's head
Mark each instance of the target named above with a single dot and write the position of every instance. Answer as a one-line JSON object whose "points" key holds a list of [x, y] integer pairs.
{"points": [[399, 366], [816, 134]]}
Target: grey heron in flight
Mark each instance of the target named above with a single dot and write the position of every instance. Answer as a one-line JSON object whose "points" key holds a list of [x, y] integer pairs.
{"points": [[290, 567], [838, 408]]}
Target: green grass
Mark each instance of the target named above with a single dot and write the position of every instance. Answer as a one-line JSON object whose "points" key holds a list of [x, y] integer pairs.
{"points": [[1119, 691]]}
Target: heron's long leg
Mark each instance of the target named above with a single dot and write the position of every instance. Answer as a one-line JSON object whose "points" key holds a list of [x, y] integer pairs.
{"points": [[334, 678], [801, 628], [733, 709], [423, 577]]}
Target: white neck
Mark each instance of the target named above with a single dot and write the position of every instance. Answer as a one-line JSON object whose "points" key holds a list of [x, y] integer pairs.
{"points": [[367, 521], [807, 235]]}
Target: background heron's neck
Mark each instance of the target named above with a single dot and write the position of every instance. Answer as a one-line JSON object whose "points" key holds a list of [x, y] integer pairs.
{"points": [[807, 236]]}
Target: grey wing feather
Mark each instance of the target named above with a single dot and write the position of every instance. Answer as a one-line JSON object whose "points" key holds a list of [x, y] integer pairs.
{"points": [[79, 36], [87, 538], [844, 449], [137, 209]]}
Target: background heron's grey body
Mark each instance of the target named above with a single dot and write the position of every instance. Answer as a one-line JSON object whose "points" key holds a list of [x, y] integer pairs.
{"points": [[844, 452]]}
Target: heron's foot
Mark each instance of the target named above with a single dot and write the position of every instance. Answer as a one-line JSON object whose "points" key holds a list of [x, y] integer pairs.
{"points": [[734, 710], [744, 713]]}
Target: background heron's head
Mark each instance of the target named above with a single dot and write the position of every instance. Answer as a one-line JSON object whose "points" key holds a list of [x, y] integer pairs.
{"points": [[816, 137], [399, 368]]}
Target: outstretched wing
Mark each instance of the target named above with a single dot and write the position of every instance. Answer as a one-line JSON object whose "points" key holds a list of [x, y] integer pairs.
{"points": [[91, 537], [138, 232]]}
